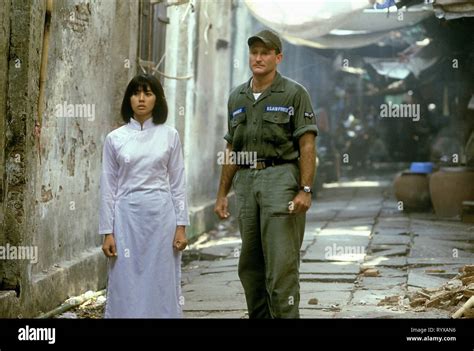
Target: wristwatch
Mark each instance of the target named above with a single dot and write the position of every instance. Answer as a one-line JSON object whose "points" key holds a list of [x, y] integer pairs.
{"points": [[306, 189]]}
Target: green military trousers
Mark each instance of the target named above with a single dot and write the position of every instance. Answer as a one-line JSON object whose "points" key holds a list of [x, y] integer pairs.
{"points": [[271, 240]]}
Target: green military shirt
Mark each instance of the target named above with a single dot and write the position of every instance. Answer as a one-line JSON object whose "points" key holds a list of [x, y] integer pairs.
{"points": [[272, 124]]}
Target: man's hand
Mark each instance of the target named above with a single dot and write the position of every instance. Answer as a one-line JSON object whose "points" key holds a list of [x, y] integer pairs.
{"points": [[221, 208], [301, 202], [180, 242], [227, 174], [108, 247]]}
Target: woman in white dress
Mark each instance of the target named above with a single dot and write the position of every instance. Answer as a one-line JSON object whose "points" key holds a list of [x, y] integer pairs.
{"points": [[143, 209]]}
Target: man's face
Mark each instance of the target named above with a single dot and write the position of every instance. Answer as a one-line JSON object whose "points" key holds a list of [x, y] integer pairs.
{"points": [[263, 60]]}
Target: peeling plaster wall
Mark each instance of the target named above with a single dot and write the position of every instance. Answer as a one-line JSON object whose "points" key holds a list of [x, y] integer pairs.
{"points": [[52, 182], [92, 56], [26, 19], [199, 44], [4, 53], [206, 128], [179, 63], [25, 36], [86, 65], [244, 26]]}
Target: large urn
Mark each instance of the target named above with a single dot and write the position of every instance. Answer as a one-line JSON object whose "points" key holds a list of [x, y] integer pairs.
{"points": [[412, 189], [449, 187]]}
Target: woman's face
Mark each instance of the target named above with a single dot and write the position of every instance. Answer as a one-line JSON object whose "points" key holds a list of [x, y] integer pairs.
{"points": [[143, 102]]}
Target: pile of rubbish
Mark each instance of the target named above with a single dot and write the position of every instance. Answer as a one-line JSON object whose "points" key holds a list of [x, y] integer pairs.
{"points": [[456, 295], [457, 292]]}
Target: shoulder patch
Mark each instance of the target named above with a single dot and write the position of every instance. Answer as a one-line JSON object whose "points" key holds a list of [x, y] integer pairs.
{"points": [[238, 111], [308, 114]]}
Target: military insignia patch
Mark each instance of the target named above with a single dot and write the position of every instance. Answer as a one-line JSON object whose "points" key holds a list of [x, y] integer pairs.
{"points": [[308, 114], [276, 109], [238, 111]]}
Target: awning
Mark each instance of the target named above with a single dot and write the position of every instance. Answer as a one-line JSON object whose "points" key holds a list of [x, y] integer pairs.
{"points": [[414, 59], [335, 24], [302, 18]]}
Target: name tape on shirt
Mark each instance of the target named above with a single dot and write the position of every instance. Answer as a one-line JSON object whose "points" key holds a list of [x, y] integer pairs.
{"points": [[289, 110], [238, 111]]}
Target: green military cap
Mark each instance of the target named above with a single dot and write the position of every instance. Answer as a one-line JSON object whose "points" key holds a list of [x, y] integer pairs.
{"points": [[269, 38]]}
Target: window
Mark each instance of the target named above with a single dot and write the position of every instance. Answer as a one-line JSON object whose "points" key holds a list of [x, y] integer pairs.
{"points": [[153, 21]]}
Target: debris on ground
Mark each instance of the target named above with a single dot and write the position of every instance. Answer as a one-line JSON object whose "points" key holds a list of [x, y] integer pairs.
{"points": [[88, 305], [450, 296], [390, 301], [369, 272], [93, 310]]}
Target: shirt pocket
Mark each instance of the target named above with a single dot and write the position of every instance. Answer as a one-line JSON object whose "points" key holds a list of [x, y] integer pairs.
{"points": [[276, 127]]}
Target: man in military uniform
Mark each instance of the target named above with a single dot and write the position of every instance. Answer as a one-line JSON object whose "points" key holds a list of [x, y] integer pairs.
{"points": [[272, 116]]}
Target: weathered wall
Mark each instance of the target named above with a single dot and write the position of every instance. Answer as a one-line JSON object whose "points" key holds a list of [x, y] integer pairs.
{"points": [[179, 63], [244, 26], [92, 57], [199, 45], [213, 82], [52, 179], [4, 52], [26, 18], [86, 65], [53, 204]]}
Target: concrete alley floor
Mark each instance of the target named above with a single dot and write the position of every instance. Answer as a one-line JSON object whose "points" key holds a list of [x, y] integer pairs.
{"points": [[352, 225]]}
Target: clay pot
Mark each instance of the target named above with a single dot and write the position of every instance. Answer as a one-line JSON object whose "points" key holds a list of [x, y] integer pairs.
{"points": [[413, 190], [449, 187]]}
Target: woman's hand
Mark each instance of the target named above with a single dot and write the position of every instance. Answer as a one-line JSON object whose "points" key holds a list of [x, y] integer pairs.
{"points": [[180, 242], [108, 247]]}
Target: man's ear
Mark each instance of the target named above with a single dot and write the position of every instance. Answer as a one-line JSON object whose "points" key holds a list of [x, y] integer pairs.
{"points": [[279, 57]]}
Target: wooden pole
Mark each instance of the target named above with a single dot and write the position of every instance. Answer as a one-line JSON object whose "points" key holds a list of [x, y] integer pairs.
{"points": [[463, 309], [70, 303]]}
